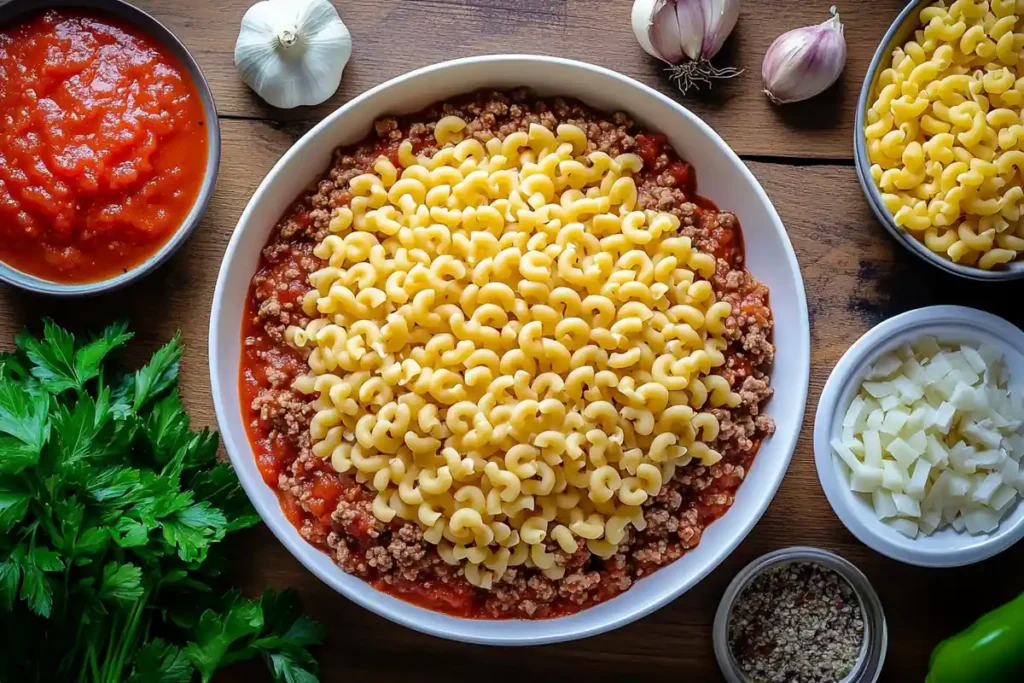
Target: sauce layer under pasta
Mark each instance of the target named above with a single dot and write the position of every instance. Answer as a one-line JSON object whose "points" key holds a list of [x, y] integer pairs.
{"points": [[335, 511]]}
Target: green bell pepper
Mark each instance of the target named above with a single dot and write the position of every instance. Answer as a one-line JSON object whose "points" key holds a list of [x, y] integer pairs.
{"points": [[991, 650]]}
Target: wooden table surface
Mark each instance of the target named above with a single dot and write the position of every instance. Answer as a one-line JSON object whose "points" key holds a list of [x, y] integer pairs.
{"points": [[855, 275]]}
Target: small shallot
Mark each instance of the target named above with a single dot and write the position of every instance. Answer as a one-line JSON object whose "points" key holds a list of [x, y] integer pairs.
{"points": [[805, 61]]}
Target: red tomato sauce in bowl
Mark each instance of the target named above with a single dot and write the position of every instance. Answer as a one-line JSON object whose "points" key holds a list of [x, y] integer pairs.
{"points": [[103, 146]]}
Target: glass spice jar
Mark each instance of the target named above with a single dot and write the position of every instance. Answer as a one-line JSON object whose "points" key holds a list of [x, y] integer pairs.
{"points": [[867, 666]]}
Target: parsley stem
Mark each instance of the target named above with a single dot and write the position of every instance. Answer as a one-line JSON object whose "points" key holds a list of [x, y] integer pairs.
{"points": [[101, 676], [128, 638], [71, 657], [91, 659]]}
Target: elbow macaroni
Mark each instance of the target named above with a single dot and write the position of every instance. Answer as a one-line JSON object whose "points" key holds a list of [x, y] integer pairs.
{"points": [[945, 136], [508, 350]]}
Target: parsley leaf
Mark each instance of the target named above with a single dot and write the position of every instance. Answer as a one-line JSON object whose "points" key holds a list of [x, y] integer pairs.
{"points": [[193, 529], [23, 413], [219, 486], [159, 374], [76, 430], [216, 634], [281, 612], [35, 589], [286, 636], [89, 357], [46, 560], [287, 670], [16, 455], [13, 506], [130, 533], [167, 428], [113, 483], [121, 582], [11, 367], [161, 662], [10, 577], [270, 627], [52, 357]]}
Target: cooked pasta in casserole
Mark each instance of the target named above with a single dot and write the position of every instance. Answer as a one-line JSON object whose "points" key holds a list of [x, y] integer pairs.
{"points": [[503, 361]]}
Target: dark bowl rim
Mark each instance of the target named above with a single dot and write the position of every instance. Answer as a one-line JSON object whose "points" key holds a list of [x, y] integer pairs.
{"points": [[1014, 272], [123, 10]]}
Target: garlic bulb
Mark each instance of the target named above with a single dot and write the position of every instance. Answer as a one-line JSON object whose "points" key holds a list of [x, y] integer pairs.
{"points": [[805, 61], [686, 34], [292, 52]]}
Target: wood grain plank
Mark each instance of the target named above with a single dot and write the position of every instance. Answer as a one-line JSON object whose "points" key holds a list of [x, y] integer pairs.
{"points": [[855, 276], [391, 38]]}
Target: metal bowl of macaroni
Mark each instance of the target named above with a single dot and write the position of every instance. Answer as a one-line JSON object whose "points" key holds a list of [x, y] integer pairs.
{"points": [[488, 365], [939, 140]]}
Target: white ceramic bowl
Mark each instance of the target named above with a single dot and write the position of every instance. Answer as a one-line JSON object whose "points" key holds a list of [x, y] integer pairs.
{"points": [[722, 177], [951, 324]]}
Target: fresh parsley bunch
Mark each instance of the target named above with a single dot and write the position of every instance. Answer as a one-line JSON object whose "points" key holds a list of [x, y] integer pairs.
{"points": [[111, 515]]}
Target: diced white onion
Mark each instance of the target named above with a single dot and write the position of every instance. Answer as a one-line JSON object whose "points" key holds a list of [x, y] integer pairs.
{"points": [[919, 478], [880, 389], [933, 439], [936, 452], [982, 435], [885, 366], [974, 359], [905, 526], [943, 417], [926, 346], [981, 520], [894, 421], [904, 454], [963, 397], [930, 521], [893, 477], [866, 479], [872, 448], [882, 502], [906, 506], [889, 402], [959, 486], [853, 414], [909, 391], [1003, 496], [937, 369], [984, 486]]}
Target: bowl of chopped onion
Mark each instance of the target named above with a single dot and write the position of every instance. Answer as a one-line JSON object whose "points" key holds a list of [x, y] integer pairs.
{"points": [[918, 437]]}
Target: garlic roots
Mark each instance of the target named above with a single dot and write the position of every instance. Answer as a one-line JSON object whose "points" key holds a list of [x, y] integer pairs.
{"points": [[686, 34]]}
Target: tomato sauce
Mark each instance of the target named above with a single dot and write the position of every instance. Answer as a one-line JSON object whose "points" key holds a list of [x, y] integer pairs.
{"points": [[102, 146], [274, 452]]}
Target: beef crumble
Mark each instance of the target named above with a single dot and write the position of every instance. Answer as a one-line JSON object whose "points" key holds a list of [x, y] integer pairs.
{"points": [[334, 511]]}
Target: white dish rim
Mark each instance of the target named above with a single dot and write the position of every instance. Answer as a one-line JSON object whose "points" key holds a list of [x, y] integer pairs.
{"points": [[475, 630]]}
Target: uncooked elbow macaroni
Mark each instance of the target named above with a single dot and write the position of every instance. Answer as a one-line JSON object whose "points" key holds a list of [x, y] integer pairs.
{"points": [[511, 352], [945, 135]]}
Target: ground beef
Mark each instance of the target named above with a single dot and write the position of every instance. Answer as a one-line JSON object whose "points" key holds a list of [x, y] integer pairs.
{"points": [[335, 512]]}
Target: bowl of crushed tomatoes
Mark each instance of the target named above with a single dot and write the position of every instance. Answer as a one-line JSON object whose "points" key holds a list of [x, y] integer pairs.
{"points": [[109, 145]]}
